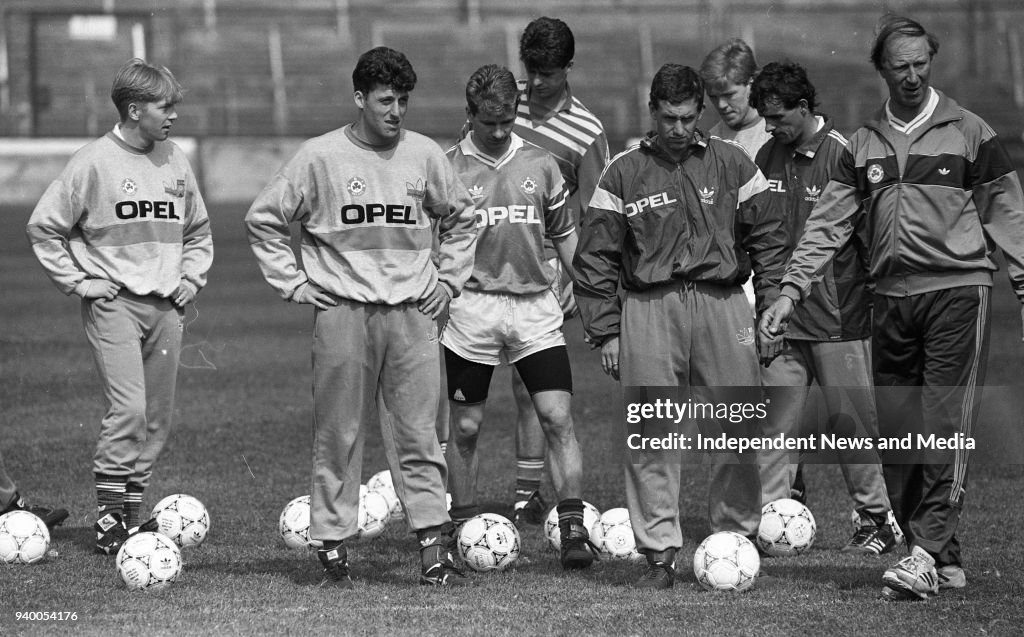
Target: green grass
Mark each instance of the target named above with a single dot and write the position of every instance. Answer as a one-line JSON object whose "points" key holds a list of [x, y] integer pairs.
{"points": [[241, 444]]}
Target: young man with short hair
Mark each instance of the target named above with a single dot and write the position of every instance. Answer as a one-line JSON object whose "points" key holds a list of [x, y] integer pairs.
{"points": [[677, 221], [552, 117], [125, 228], [828, 338], [727, 72], [368, 197], [508, 311]]}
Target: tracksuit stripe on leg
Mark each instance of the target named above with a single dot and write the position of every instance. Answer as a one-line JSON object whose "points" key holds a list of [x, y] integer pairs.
{"points": [[960, 460]]}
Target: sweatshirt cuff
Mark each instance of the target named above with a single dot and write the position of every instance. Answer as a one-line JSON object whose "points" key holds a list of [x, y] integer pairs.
{"points": [[80, 289], [448, 289], [298, 288], [193, 286]]}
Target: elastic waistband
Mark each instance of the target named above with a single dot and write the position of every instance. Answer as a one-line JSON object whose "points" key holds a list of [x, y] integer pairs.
{"points": [[683, 285]]}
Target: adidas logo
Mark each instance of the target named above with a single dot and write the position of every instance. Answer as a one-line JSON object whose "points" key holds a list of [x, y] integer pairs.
{"points": [[476, 192], [428, 541], [459, 396], [417, 190], [745, 336], [943, 171], [813, 192], [707, 195]]}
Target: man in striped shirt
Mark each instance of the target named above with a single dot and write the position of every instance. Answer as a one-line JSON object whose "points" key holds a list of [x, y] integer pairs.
{"points": [[551, 117]]}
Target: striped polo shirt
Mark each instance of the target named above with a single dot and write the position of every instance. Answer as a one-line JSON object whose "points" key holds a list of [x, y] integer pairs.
{"points": [[576, 139]]}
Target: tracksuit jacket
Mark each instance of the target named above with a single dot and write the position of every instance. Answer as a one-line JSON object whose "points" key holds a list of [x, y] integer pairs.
{"points": [[929, 222], [837, 307], [653, 221]]}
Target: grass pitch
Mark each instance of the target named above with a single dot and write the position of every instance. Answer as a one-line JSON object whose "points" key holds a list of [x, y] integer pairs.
{"points": [[242, 442]]}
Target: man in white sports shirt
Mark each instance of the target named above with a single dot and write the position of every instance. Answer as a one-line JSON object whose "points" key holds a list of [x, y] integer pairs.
{"points": [[508, 310], [368, 197]]}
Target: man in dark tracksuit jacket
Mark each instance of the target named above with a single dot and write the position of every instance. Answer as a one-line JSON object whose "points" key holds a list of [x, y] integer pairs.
{"points": [[827, 341], [676, 222], [936, 189]]}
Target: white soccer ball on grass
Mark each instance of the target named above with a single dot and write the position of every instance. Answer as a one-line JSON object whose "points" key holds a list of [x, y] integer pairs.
{"points": [[24, 538], [787, 528], [293, 525], [613, 535], [148, 561], [183, 519], [726, 561], [489, 542]]}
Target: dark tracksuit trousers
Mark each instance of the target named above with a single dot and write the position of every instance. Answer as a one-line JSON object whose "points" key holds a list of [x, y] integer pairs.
{"points": [[929, 353]]}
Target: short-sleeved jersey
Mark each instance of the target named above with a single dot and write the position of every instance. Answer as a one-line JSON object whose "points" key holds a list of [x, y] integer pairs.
{"points": [[131, 216], [519, 199]]}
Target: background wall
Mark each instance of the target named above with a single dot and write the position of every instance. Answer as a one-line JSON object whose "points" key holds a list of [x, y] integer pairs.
{"points": [[263, 74]]}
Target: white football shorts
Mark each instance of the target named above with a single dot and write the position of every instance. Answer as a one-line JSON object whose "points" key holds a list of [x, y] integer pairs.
{"points": [[494, 328]]}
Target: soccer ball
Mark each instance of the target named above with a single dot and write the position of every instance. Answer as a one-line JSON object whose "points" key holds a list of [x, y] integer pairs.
{"points": [[24, 538], [182, 518], [613, 535], [293, 525], [726, 561], [382, 483], [590, 517], [787, 528], [489, 542], [374, 513], [148, 561], [381, 480]]}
